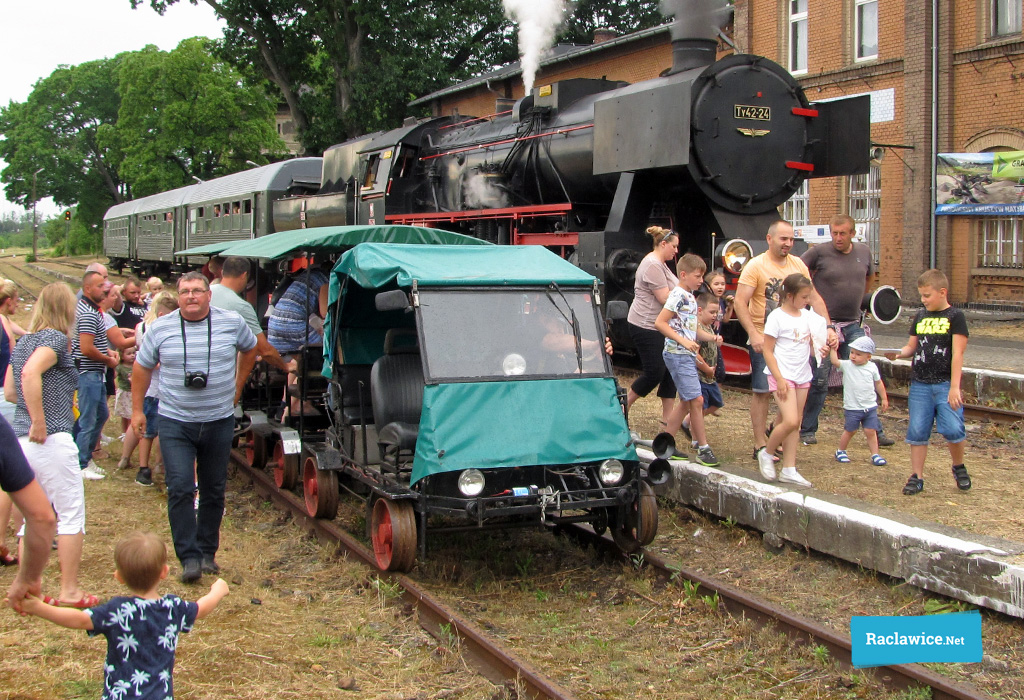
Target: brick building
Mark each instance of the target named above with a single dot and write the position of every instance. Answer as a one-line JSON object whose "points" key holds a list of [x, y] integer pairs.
{"points": [[884, 47], [840, 48]]}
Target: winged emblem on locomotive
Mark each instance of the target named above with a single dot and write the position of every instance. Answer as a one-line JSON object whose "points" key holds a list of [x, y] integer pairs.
{"points": [[753, 132]]}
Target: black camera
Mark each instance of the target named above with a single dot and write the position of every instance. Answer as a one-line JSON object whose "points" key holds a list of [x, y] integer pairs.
{"points": [[195, 380]]}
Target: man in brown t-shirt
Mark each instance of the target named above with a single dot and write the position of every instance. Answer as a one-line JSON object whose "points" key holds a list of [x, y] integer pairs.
{"points": [[841, 272], [758, 293]]}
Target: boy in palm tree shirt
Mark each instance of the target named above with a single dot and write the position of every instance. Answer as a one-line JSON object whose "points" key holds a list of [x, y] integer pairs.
{"points": [[142, 629]]}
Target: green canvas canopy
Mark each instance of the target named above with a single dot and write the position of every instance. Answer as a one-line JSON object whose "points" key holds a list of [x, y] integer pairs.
{"points": [[369, 267], [372, 265], [210, 249], [333, 239]]}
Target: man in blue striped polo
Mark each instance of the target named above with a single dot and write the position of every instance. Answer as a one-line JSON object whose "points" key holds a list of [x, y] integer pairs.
{"points": [[205, 354]]}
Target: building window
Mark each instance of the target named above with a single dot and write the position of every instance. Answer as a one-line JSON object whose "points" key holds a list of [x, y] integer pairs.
{"points": [[798, 36], [794, 210], [1001, 242], [1006, 17], [867, 29], [866, 206]]}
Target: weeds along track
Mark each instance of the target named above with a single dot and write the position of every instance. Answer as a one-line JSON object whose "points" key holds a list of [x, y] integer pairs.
{"points": [[27, 281], [608, 627]]}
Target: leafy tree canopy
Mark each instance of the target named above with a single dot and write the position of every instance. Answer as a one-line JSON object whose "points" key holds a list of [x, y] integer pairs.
{"points": [[209, 121], [347, 67], [56, 131]]}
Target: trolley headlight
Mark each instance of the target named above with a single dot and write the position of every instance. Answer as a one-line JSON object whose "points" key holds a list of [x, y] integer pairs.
{"points": [[513, 365], [471, 482], [735, 254], [610, 472]]}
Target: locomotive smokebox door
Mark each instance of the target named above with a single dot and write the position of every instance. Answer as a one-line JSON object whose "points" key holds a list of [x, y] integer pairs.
{"points": [[841, 136]]}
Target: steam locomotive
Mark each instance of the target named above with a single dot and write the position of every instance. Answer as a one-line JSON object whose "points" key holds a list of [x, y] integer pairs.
{"points": [[582, 166]]}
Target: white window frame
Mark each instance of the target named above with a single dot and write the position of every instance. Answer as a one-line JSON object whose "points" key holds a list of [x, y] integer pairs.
{"points": [[797, 25], [1009, 11], [1001, 242], [796, 209], [859, 6], [865, 192]]}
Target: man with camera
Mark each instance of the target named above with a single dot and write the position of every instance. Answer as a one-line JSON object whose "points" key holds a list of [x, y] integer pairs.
{"points": [[205, 354]]}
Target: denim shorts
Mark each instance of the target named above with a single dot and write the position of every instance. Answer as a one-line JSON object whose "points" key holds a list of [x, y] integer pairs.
{"points": [[854, 419], [758, 379], [683, 369], [712, 395], [929, 404], [150, 407]]}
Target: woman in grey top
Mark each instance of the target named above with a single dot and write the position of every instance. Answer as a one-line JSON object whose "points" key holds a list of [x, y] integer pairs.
{"points": [[654, 280], [42, 379]]}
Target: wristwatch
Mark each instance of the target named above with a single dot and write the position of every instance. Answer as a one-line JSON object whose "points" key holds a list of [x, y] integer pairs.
{"points": [[830, 327]]}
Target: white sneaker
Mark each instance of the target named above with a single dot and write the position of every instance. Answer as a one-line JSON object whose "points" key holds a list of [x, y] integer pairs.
{"points": [[105, 440], [93, 471], [792, 476], [766, 464]]}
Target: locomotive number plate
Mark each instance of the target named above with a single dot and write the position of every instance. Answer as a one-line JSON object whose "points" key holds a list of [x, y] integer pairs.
{"points": [[763, 114]]}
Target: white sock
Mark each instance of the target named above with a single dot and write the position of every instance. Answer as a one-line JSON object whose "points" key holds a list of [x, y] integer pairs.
{"points": [[702, 446], [789, 471]]}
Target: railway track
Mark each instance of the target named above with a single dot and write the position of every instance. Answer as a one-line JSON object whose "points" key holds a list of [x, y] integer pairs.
{"points": [[491, 659], [13, 272], [499, 665]]}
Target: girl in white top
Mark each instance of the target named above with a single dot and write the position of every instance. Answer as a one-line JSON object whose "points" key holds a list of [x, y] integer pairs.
{"points": [[787, 355]]}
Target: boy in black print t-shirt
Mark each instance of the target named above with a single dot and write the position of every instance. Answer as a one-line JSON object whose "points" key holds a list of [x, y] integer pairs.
{"points": [[938, 338]]}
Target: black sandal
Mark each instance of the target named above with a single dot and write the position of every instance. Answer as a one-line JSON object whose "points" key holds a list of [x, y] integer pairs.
{"points": [[963, 479]]}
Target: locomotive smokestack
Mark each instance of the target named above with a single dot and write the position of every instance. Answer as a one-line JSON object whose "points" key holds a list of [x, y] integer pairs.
{"points": [[695, 31]]}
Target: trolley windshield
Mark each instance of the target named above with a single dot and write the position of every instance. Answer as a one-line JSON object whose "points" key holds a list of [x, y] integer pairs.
{"points": [[472, 335]]}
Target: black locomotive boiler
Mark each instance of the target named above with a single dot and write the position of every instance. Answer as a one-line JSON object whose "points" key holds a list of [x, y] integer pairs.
{"points": [[710, 148]]}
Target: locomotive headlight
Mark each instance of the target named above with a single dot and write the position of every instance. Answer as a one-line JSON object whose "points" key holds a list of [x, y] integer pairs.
{"points": [[514, 364], [735, 254], [610, 472], [471, 482]]}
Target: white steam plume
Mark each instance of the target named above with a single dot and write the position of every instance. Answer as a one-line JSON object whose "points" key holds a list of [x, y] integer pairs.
{"points": [[538, 21]]}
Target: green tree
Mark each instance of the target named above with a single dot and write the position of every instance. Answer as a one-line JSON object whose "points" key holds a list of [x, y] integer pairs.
{"points": [[621, 16], [57, 129], [346, 66], [209, 120]]}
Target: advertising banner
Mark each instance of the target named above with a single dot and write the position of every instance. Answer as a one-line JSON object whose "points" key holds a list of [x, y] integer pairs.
{"points": [[947, 638], [980, 183]]}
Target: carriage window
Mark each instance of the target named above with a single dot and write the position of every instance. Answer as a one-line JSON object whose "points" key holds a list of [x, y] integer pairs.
{"points": [[248, 206], [236, 208], [200, 212], [370, 178]]}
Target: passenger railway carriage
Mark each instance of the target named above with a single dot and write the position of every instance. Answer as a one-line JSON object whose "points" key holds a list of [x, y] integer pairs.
{"points": [[145, 234]]}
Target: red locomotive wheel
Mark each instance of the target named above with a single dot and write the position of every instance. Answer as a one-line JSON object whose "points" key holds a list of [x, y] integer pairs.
{"points": [[393, 533], [255, 449], [320, 489], [641, 526], [286, 467]]}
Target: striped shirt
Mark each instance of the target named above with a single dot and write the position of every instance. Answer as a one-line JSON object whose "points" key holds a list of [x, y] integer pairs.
{"points": [[89, 319], [163, 344]]}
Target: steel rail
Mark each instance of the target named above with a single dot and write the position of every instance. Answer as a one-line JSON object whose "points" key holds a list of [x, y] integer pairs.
{"points": [[978, 412], [491, 658], [18, 284], [739, 603]]}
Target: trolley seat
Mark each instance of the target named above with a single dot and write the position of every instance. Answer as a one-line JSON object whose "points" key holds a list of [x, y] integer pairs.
{"points": [[396, 389], [356, 403]]}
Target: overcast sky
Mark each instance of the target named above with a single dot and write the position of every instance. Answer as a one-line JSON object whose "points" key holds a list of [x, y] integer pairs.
{"points": [[43, 34]]}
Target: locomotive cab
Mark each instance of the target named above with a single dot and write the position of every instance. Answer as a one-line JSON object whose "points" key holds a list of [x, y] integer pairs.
{"points": [[485, 397]]}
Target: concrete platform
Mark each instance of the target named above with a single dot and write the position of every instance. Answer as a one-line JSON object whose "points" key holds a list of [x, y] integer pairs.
{"points": [[983, 571]]}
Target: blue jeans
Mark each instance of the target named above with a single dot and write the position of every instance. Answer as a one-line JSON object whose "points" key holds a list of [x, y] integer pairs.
{"points": [[206, 447], [683, 369], [928, 404], [758, 379], [92, 413], [819, 385]]}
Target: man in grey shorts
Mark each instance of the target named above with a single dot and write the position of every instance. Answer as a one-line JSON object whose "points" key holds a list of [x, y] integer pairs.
{"points": [[841, 272]]}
